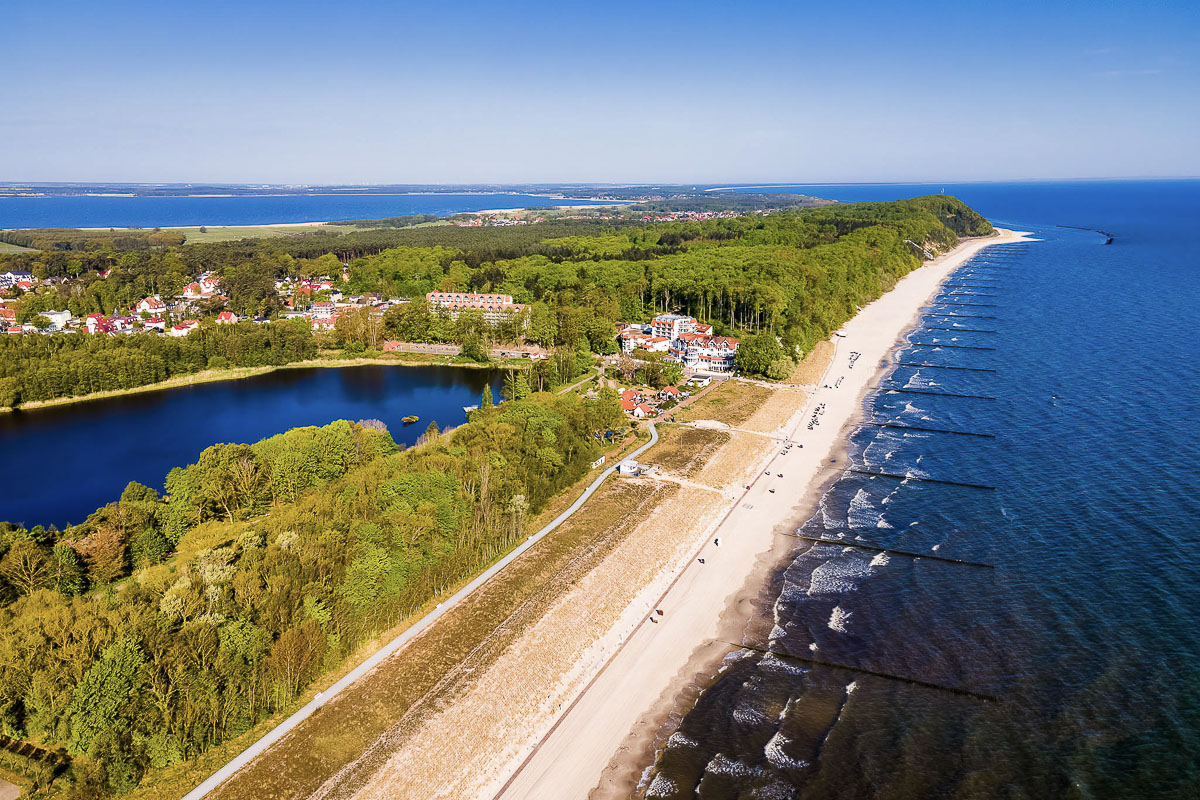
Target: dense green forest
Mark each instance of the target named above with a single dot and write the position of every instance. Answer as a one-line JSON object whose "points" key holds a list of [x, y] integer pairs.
{"points": [[795, 275], [166, 624], [46, 367]]}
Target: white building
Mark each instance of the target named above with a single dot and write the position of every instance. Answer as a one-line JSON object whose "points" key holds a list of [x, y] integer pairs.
{"points": [[13, 277], [670, 326], [704, 353], [58, 319], [152, 306]]}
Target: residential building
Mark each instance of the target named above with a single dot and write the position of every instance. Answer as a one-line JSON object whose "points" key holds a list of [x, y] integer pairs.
{"points": [[152, 306], [495, 307], [14, 277], [636, 340], [670, 326], [227, 318], [58, 319], [704, 353]]}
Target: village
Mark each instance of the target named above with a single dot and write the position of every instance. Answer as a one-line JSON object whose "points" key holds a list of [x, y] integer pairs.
{"points": [[677, 339]]}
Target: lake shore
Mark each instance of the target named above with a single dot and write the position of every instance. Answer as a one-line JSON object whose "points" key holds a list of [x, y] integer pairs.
{"points": [[598, 745], [239, 373]]}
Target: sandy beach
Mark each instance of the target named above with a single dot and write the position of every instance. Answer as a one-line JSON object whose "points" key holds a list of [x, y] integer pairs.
{"points": [[579, 682], [623, 705]]}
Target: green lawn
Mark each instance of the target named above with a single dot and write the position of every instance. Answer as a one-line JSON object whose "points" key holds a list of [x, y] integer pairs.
{"points": [[230, 233], [5, 247]]}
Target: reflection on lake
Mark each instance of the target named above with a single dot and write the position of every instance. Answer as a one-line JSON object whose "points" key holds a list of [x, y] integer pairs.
{"points": [[67, 461]]}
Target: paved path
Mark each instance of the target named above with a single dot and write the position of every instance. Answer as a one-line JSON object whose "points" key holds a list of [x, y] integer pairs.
{"points": [[280, 730]]}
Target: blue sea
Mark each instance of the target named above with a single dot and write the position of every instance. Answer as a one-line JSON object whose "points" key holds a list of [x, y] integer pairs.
{"points": [[150, 212], [1051, 649]]}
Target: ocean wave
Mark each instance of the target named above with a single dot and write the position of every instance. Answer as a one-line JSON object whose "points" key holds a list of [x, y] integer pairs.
{"points": [[838, 619], [722, 764], [776, 755], [773, 663], [880, 560], [661, 786], [678, 739], [836, 576]]}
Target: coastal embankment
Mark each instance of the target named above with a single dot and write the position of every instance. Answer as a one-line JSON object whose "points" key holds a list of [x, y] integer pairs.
{"points": [[596, 742]]}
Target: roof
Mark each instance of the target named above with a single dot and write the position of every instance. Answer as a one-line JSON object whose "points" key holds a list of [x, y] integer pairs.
{"points": [[628, 405]]}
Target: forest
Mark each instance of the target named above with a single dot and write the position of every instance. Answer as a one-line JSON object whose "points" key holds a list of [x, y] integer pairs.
{"points": [[794, 275], [169, 622]]}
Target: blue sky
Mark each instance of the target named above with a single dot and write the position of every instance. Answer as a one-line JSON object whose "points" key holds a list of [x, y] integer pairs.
{"points": [[396, 92]]}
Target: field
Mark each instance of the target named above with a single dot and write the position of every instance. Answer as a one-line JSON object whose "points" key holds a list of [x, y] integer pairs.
{"points": [[5, 247], [683, 450], [233, 233], [809, 371], [733, 402]]}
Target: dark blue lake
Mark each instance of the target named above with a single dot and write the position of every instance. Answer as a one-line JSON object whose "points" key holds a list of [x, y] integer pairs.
{"points": [[150, 212], [81, 456], [1062, 660]]}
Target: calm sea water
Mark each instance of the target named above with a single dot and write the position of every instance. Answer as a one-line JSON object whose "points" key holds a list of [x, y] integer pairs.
{"points": [[81, 456], [149, 212], [1063, 661]]}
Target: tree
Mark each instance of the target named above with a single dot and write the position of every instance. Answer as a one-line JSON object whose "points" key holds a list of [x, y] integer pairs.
{"points": [[68, 571], [104, 700], [756, 353], [103, 551], [673, 372], [25, 566], [487, 397], [516, 385]]}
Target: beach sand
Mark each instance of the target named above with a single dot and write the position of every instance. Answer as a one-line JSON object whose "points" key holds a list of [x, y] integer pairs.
{"points": [[607, 732]]}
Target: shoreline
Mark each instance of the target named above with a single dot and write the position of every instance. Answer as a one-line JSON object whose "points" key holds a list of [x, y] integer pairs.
{"points": [[240, 373], [331, 222], [596, 747]]}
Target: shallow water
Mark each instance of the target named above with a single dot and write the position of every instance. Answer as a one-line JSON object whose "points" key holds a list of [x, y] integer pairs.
{"points": [[1064, 659]]}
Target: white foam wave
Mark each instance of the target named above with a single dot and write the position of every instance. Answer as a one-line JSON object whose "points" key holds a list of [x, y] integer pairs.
{"points": [[748, 715], [678, 739], [661, 786], [776, 755], [838, 619], [836, 575], [851, 686], [880, 560], [722, 764], [773, 663]]}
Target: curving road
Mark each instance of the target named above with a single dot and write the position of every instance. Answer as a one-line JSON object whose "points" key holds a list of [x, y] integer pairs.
{"points": [[280, 730]]}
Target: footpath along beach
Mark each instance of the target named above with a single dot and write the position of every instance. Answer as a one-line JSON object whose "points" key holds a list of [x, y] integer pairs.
{"points": [[625, 703], [562, 681]]}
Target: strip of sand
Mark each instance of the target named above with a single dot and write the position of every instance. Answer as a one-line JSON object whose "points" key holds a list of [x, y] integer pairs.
{"points": [[655, 661]]}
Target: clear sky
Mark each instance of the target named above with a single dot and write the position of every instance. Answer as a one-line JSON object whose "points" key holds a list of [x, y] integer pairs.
{"points": [[602, 91]]}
